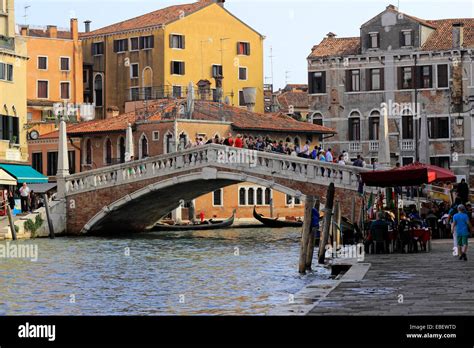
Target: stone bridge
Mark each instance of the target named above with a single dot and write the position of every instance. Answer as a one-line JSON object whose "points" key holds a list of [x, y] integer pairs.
{"points": [[132, 196]]}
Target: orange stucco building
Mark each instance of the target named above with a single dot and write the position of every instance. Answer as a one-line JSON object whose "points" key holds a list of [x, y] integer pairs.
{"points": [[54, 77]]}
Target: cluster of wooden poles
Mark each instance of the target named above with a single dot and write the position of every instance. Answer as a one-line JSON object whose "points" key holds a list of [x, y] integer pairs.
{"points": [[330, 227]]}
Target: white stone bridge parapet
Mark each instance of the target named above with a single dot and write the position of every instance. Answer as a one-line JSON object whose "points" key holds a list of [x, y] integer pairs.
{"points": [[152, 187]]}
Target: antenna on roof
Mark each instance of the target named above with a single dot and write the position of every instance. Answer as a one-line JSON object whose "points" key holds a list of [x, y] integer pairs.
{"points": [[25, 16], [271, 65]]}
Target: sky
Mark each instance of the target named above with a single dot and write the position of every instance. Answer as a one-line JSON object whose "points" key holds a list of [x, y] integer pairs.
{"points": [[291, 27]]}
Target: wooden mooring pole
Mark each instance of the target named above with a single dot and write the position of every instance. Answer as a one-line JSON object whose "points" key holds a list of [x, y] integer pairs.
{"points": [[12, 223], [305, 235], [48, 216], [327, 222], [311, 245]]}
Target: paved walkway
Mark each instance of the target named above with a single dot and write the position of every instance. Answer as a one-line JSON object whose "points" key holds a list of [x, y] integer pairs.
{"points": [[433, 283]]}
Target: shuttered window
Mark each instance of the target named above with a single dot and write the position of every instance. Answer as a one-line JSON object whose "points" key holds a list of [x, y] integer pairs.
{"points": [[243, 48], [177, 68], [177, 41], [120, 45]]}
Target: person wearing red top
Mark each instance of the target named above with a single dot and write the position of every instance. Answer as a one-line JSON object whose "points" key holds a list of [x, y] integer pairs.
{"points": [[229, 141], [239, 142]]}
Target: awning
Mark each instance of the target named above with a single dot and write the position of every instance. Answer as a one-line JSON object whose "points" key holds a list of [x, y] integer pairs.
{"points": [[6, 179], [24, 174], [43, 188]]}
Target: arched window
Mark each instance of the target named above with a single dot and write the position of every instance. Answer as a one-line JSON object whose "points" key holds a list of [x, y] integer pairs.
{"points": [[98, 90], [121, 149], [354, 126], [374, 124], [88, 151], [242, 198], [268, 196], [317, 118], [169, 143], [259, 196], [143, 146], [251, 196], [108, 152], [147, 83], [183, 140]]}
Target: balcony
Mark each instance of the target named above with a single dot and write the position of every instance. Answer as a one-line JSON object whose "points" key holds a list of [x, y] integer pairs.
{"points": [[373, 145], [407, 145], [355, 146], [7, 43]]}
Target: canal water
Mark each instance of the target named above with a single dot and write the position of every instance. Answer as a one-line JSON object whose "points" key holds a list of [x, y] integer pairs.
{"points": [[224, 272]]}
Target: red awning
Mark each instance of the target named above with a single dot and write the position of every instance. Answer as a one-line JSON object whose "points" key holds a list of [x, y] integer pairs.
{"points": [[410, 175]]}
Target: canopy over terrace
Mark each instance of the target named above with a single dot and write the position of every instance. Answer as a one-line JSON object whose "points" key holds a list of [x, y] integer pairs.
{"points": [[410, 175]]}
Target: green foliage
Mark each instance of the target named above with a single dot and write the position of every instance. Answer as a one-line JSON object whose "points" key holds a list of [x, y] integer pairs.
{"points": [[33, 226]]}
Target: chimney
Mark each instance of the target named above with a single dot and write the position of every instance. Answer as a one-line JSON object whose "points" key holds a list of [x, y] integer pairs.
{"points": [[331, 35], [219, 2], [24, 30], [458, 35], [392, 7], [52, 31], [74, 29], [112, 112], [87, 25]]}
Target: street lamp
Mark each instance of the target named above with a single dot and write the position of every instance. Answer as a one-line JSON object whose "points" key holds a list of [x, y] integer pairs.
{"points": [[459, 121]]}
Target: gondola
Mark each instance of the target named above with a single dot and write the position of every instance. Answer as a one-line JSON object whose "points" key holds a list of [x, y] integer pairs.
{"points": [[275, 223], [208, 225]]}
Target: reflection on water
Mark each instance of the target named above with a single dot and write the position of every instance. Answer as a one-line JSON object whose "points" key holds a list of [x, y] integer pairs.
{"points": [[236, 271]]}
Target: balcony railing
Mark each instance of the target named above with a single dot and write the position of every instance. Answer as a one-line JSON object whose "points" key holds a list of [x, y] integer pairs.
{"points": [[355, 146], [373, 145], [407, 145]]}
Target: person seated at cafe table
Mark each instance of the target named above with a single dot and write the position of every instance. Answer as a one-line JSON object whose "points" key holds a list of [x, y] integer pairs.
{"points": [[379, 232]]}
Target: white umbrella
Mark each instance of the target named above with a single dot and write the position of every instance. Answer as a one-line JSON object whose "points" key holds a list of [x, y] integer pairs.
{"points": [[190, 100], [129, 147]]}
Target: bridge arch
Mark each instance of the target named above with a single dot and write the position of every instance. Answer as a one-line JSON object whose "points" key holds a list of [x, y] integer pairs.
{"points": [[114, 214]]}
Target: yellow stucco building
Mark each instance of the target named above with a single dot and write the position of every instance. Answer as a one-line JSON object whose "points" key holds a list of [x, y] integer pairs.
{"points": [[13, 62], [158, 54]]}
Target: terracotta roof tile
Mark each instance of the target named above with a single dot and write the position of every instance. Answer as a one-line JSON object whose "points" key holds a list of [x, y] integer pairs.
{"points": [[152, 19], [331, 46], [298, 100], [62, 34], [442, 37]]}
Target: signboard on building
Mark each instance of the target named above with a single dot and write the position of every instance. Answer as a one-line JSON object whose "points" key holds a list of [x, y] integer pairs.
{"points": [[13, 155]]}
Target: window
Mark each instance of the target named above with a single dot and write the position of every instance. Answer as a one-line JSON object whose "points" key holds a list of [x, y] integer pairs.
{"points": [[134, 44], [407, 127], [217, 71], [241, 98], [424, 77], [375, 79], [354, 128], [71, 156], [29, 116], [88, 151], [135, 93], [98, 91], [177, 68], [268, 196], [122, 150], [42, 63], [9, 129], [52, 165], [6, 72], [37, 162], [317, 118], [443, 76], [177, 41], [64, 64], [407, 160], [259, 196], [438, 127], [97, 48], [317, 82], [85, 77], [143, 147], [156, 135], [243, 48], [65, 90], [242, 73], [352, 80], [290, 200], [108, 152], [217, 198], [251, 196], [242, 196], [374, 41], [43, 87], [374, 124], [134, 71], [176, 91], [147, 42], [406, 38], [405, 75], [442, 161], [120, 45]]}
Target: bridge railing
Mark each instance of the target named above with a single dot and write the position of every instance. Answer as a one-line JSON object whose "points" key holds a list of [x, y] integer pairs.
{"points": [[247, 161]]}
